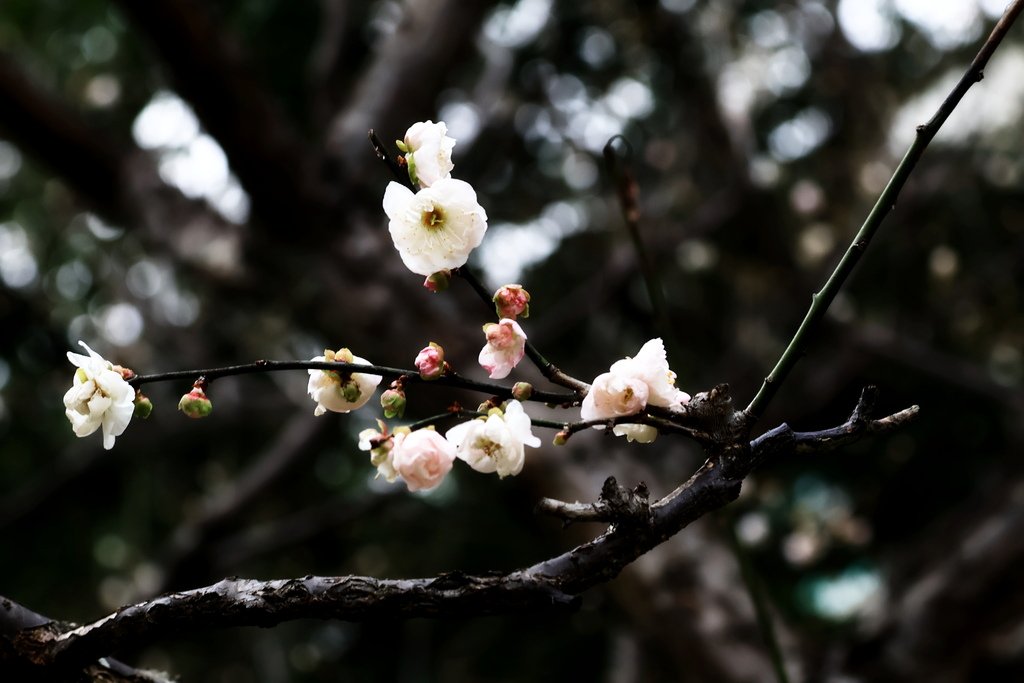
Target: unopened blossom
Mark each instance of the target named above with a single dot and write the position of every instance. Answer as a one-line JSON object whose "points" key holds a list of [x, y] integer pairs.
{"points": [[430, 361], [505, 347], [428, 152], [629, 386], [512, 301], [436, 228], [195, 403], [422, 458], [99, 397], [495, 443], [380, 444], [338, 390]]}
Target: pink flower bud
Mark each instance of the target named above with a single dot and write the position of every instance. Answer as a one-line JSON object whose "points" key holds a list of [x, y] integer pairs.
{"points": [[511, 301], [561, 438], [195, 404], [422, 458], [439, 281], [430, 361]]}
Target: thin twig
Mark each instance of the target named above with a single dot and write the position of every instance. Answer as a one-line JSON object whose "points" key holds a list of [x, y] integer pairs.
{"points": [[409, 377], [886, 201], [629, 200]]}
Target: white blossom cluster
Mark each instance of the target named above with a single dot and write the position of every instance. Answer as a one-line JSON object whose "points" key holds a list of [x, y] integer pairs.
{"points": [[434, 230]]}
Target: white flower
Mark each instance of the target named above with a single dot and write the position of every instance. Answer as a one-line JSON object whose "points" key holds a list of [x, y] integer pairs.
{"points": [[340, 391], [651, 366], [99, 397], [423, 458], [497, 443], [428, 152], [614, 395], [629, 386], [505, 347], [436, 228], [380, 444]]}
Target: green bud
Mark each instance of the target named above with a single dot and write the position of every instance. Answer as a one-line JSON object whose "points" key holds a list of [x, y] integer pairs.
{"points": [[143, 406], [522, 391], [393, 403], [561, 438], [195, 404]]}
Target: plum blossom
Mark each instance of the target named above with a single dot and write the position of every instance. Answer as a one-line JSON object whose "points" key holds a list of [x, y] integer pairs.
{"points": [[428, 152], [99, 397], [629, 386], [505, 347], [422, 458], [436, 228], [381, 446], [430, 361], [511, 301], [340, 391], [495, 443]]}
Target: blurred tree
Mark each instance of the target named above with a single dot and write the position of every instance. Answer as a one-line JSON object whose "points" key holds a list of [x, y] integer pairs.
{"points": [[189, 184]]}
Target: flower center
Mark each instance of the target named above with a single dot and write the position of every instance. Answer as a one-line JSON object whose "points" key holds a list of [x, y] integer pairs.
{"points": [[433, 219]]}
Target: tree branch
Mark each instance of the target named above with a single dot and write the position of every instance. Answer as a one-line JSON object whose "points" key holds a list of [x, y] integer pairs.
{"points": [[821, 300]]}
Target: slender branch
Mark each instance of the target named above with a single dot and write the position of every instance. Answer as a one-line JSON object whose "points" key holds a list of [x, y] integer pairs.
{"points": [[547, 368], [408, 376], [629, 200], [821, 300]]}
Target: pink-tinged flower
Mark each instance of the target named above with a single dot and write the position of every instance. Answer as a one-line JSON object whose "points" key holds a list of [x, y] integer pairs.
{"points": [[512, 301], [436, 228], [99, 397], [422, 458], [629, 386], [430, 361], [428, 152], [495, 443], [651, 366], [505, 347], [340, 391], [613, 395]]}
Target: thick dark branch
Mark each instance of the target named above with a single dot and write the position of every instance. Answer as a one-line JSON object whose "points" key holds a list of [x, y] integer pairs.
{"points": [[243, 602], [617, 504], [214, 77], [547, 584]]}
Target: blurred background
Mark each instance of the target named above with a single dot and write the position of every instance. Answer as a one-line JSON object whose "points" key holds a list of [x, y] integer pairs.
{"points": [[188, 185]]}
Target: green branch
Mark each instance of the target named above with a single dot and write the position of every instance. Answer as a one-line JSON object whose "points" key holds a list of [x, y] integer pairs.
{"points": [[822, 299]]}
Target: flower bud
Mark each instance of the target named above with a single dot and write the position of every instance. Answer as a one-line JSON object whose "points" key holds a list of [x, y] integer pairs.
{"points": [[511, 301], [393, 403], [430, 361], [439, 281], [143, 406], [561, 438], [195, 404], [522, 391]]}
